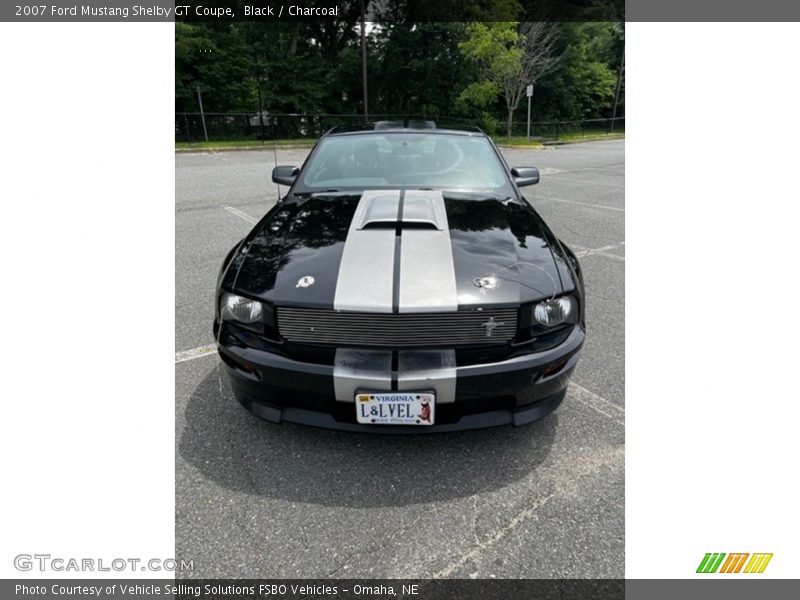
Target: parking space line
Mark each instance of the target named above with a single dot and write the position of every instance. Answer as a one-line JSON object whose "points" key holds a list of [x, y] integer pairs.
{"points": [[602, 251], [609, 409], [584, 466], [611, 256], [200, 352], [607, 255], [552, 199], [241, 215]]}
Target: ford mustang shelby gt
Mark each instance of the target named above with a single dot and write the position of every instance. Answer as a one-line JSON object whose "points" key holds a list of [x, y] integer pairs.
{"points": [[403, 284]]}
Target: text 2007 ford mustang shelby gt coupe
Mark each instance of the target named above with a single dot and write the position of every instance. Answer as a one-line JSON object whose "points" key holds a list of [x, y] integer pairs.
{"points": [[403, 284]]}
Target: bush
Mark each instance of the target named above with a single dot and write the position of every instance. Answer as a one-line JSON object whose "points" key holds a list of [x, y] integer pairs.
{"points": [[488, 123]]}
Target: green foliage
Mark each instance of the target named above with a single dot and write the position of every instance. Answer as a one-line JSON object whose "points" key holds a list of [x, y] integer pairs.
{"points": [[216, 59], [584, 84], [488, 123], [493, 50], [477, 95], [415, 68], [436, 69]]}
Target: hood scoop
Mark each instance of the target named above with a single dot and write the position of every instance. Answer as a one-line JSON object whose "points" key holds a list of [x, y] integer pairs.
{"points": [[377, 209], [412, 209], [424, 209]]}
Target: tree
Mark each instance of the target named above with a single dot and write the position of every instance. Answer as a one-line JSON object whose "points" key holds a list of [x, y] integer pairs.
{"points": [[509, 57], [216, 58], [417, 68], [584, 83], [492, 48], [537, 45], [441, 70]]}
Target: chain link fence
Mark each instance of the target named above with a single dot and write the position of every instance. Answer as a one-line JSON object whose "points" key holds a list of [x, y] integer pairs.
{"points": [[566, 130], [249, 127], [189, 127]]}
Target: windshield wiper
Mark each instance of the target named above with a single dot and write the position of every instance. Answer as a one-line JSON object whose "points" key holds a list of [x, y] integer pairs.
{"points": [[315, 192], [492, 195]]}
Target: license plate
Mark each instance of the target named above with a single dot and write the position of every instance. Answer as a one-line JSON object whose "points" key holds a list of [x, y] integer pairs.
{"points": [[395, 408]]}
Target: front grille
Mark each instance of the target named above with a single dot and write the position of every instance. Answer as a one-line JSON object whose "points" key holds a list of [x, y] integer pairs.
{"points": [[403, 330]]}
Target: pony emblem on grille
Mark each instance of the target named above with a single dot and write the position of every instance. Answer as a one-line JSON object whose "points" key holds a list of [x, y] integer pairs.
{"points": [[491, 325]]}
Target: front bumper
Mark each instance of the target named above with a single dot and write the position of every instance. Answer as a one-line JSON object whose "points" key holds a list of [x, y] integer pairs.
{"points": [[511, 392]]}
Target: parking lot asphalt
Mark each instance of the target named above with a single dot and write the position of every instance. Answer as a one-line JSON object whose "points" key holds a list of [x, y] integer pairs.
{"points": [[255, 499]]}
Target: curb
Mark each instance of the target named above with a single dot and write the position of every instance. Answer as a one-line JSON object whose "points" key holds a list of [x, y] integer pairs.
{"points": [[567, 142], [551, 143], [522, 146], [267, 148]]}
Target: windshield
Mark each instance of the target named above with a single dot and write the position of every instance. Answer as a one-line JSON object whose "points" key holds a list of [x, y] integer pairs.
{"points": [[429, 160]]}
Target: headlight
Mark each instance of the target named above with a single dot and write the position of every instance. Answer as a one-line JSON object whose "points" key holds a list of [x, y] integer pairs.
{"points": [[243, 310], [555, 311]]}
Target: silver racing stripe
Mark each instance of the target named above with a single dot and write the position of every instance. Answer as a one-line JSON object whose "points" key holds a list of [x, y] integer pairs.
{"points": [[422, 370], [397, 257], [375, 277], [366, 271], [417, 371], [367, 370], [427, 274]]}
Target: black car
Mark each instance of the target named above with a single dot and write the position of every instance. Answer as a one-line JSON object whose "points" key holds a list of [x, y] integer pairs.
{"points": [[403, 284]]}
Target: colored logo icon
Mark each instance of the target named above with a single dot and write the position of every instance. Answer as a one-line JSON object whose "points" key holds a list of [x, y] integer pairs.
{"points": [[734, 563]]}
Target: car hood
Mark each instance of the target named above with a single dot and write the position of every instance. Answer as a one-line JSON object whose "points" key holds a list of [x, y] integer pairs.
{"points": [[387, 251]]}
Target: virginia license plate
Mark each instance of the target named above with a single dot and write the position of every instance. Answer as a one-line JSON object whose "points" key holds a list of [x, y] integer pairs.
{"points": [[395, 408]]}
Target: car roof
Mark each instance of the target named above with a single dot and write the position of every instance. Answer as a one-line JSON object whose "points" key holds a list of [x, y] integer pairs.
{"points": [[406, 126]]}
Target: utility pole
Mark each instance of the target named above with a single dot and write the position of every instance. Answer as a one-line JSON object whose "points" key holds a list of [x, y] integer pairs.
{"points": [[261, 111], [619, 85], [364, 60], [202, 114], [260, 101]]}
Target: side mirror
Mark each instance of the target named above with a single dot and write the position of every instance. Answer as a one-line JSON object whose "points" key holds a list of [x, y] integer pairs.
{"points": [[525, 176], [285, 174]]}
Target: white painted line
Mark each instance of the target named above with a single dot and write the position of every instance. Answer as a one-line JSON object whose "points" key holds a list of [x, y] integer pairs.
{"points": [[607, 255], [566, 481], [537, 197], [602, 251], [241, 215], [195, 353], [597, 403], [577, 247]]}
